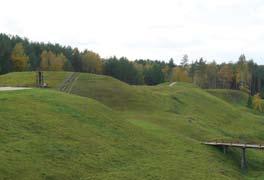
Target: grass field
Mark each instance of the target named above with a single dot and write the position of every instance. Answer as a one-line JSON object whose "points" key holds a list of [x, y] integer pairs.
{"points": [[107, 129]]}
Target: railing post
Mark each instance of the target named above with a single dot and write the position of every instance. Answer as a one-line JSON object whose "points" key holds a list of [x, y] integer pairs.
{"points": [[243, 159], [225, 149]]}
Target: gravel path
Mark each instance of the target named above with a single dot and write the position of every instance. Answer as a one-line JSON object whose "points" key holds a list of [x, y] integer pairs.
{"points": [[12, 88], [172, 84]]}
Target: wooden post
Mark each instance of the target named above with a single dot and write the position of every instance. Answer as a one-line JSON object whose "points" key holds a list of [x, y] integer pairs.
{"points": [[39, 79], [243, 159], [225, 149]]}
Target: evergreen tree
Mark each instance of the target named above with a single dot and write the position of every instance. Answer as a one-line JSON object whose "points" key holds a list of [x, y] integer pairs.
{"points": [[171, 63], [76, 60], [184, 61], [250, 101]]}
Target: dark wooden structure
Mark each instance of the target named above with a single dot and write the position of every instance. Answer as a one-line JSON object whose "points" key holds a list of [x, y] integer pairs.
{"points": [[40, 79], [243, 147]]}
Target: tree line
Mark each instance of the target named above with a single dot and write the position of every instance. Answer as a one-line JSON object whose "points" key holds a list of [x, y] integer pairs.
{"points": [[20, 54]]}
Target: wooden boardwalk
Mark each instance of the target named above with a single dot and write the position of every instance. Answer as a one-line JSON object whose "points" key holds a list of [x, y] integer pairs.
{"points": [[243, 147], [238, 145]]}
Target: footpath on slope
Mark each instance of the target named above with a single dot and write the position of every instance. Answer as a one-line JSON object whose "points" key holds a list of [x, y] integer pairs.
{"points": [[67, 84]]}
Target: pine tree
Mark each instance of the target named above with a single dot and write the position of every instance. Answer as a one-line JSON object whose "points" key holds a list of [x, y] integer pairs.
{"points": [[184, 61], [250, 101]]}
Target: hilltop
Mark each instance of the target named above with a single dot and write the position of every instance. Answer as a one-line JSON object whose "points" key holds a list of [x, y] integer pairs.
{"points": [[107, 129]]}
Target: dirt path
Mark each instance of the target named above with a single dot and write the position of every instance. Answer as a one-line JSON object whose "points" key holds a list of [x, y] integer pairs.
{"points": [[12, 88], [172, 84]]}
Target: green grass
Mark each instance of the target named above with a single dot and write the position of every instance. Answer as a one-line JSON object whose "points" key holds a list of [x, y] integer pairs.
{"points": [[28, 79], [110, 130], [232, 96]]}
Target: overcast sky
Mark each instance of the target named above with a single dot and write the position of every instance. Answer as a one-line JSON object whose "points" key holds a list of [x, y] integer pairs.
{"points": [[157, 29]]}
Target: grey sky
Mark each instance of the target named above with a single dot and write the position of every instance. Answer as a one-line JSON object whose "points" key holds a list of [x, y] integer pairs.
{"points": [[157, 29]]}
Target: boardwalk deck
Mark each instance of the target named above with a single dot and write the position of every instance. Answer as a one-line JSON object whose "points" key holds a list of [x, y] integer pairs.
{"points": [[238, 145], [243, 147]]}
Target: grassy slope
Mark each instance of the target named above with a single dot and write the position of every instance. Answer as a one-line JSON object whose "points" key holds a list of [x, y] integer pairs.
{"points": [[60, 136], [147, 133], [54, 79], [231, 96]]}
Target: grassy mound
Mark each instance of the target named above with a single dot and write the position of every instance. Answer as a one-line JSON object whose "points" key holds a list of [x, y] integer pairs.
{"points": [[116, 94], [47, 134], [126, 132]]}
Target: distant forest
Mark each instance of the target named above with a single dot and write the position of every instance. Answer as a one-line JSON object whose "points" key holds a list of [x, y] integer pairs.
{"points": [[20, 54]]}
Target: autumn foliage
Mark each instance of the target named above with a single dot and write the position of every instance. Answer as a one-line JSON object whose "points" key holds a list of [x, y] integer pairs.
{"points": [[19, 58]]}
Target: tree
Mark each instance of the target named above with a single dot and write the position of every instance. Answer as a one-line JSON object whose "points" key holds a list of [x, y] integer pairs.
{"points": [[6, 48], [122, 69], [57, 63], [44, 62], [242, 75], [260, 80], [180, 74], [166, 72], [226, 75], [154, 75], [184, 61], [76, 60], [261, 93], [171, 63], [52, 62], [19, 58], [139, 72], [192, 69], [252, 77], [47, 61], [250, 101], [211, 71], [257, 103], [200, 75], [91, 62]]}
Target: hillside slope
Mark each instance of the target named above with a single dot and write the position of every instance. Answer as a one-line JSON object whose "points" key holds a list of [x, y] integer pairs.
{"points": [[126, 132], [47, 134]]}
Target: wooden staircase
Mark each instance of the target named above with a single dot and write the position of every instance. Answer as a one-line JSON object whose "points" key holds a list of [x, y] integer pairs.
{"points": [[67, 84]]}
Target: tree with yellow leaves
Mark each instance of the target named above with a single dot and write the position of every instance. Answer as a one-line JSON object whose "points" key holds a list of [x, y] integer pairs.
{"points": [[91, 62], [44, 61], [166, 72], [258, 103], [226, 75], [180, 74], [58, 62], [52, 62], [19, 58], [242, 75]]}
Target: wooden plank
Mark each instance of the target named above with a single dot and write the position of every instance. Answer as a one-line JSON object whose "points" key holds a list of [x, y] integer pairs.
{"points": [[239, 145]]}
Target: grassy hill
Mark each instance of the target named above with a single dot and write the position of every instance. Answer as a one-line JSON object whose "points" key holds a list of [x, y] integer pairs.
{"points": [[117, 131]]}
